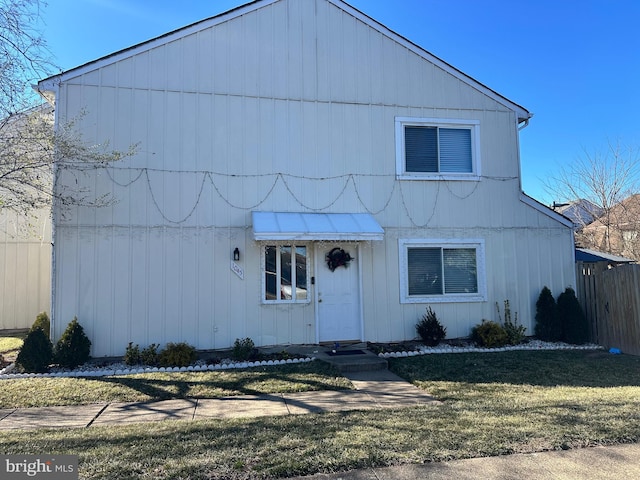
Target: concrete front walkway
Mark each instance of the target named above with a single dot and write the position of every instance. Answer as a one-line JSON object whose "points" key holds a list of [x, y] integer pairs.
{"points": [[374, 389]]}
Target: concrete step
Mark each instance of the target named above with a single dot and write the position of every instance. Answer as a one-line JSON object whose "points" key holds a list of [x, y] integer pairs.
{"points": [[345, 360]]}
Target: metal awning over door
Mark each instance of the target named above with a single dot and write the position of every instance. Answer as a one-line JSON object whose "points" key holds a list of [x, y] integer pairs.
{"points": [[315, 226]]}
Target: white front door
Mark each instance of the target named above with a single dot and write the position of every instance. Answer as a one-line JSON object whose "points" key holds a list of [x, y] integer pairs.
{"points": [[338, 295]]}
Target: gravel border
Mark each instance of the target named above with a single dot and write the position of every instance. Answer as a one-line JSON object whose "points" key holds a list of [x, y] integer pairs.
{"points": [[89, 370], [123, 369], [533, 345]]}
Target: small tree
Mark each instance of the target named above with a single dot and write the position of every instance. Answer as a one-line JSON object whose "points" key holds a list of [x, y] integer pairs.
{"points": [[575, 328], [547, 326], [36, 353], [74, 346]]}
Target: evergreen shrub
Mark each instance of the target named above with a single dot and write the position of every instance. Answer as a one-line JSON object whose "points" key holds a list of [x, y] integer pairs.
{"points": [[244, 349], [74, 347], [36, 353], [489, 334], [430, 329], [149, 355], [177, 355], [547, 323], [132, 354], [575, 328], [42, 322]]}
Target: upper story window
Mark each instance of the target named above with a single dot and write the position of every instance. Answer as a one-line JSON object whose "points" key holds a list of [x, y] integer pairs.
{"points": [[437, 148], [442, 270], [286, 276]]}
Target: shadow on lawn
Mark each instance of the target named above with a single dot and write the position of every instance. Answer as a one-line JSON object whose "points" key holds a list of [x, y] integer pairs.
{"points": [[576, 368], [193, 385]]}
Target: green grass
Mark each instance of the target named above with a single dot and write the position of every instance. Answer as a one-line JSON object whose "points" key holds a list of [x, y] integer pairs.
{"points": [[45, 391], [492, 404]]}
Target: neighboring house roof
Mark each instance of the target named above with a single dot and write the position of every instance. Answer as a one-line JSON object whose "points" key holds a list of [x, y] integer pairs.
{"points": [[49, 84], [625, 215], [581, 212], [592, 256]]}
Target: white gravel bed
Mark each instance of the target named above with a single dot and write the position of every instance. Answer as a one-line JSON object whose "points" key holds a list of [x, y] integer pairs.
{"points": [[90, 370], [531, 345]]}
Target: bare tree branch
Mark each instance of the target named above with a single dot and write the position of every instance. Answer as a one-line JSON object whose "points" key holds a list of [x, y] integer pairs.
{"points": [[605, 184], [31, 152]]}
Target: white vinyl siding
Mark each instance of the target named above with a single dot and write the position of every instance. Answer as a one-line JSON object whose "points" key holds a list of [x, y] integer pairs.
{"points": [[244, 112], [430, 147], [442, 271], [285, 274]]}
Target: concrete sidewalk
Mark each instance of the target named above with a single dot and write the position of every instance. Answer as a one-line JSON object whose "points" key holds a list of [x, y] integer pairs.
{"points": [[374, 389]]}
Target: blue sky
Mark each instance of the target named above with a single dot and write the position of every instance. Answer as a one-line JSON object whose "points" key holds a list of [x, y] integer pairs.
{"points": [[575, 64]]}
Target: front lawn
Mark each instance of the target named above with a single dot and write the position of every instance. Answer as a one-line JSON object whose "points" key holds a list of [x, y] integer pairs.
{"points": [[10, 345], [145, 387], [493, 404]]}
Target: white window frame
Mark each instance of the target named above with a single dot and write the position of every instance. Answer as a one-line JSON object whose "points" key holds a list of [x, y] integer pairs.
{"points": [[263, 271], [472, 125], [475, 243]]}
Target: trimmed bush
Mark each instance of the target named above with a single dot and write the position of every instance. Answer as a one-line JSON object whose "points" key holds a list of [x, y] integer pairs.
{"points": [[149, 355], [42, 322], [244, 349], [74, 347], [132, 354], [430, 329], [489, 334], [177, 355], [547, 327], [575, 328], [36, 353]]}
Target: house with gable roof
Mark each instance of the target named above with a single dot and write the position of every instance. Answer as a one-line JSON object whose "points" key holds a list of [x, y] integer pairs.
{"points": [[616, 231], [303, 175]]}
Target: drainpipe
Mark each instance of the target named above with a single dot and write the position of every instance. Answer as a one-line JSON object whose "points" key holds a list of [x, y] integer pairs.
{"points": [[54, 88], [521, 126]]}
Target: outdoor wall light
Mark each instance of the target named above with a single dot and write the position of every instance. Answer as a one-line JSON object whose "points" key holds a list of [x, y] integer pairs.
{"points": [[236, 255]]}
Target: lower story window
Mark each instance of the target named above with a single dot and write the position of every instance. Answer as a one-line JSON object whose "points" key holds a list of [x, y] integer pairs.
{"points": [[442, 271], [285, 274]]}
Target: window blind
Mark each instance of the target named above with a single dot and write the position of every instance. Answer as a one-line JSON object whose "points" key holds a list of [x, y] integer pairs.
{"points": [[455, 150], [421, 148], [425, 271], [460, 273]]}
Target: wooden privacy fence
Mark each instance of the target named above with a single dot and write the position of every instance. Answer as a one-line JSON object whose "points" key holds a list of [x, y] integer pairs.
{"points": [[610, 298]]}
